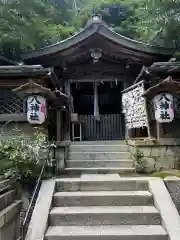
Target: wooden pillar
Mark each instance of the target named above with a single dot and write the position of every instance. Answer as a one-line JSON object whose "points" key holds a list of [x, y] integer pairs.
{"points": [[67, 117], [59, 125], [160, 130], [67, 87], [67, 126], [148, 119], [127, 131]]}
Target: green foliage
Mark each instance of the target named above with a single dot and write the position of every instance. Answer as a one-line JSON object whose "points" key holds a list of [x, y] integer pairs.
{"points": [[159, 22], [139, 161], [165, 174], [19, 155], [177, 161], [27, 25]]}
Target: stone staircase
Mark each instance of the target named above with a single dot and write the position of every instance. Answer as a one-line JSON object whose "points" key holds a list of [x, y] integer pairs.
{"points": [[99, 157], [104, 206]]}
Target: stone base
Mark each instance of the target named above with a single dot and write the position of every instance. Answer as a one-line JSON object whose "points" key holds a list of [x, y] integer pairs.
{"points": [[163, 153]]}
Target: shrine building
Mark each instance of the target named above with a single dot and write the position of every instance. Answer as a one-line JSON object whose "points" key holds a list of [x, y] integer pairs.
{"points": [[98, 79]]}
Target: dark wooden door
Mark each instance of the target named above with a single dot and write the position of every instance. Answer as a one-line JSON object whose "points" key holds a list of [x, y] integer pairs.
{"points": [[110, 127]]}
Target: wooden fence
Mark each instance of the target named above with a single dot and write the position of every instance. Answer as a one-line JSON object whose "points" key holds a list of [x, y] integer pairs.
{"points": [[110, 127]]}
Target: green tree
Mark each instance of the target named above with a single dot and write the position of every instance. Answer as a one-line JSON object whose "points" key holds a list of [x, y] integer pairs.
{"points": [[31, 24], [159, 22]]}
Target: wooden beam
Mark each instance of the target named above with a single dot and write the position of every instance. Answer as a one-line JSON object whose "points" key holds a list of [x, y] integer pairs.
{"points": [[96, 79], [13, 117]]}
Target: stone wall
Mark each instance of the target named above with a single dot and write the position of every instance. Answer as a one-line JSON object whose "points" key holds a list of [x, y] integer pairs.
{"points": [[10, 208], [163, 154], [10, 230]]}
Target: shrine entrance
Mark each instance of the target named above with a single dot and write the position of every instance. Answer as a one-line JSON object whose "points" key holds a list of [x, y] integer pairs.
{"points": [[94, 66], [108, 122]]}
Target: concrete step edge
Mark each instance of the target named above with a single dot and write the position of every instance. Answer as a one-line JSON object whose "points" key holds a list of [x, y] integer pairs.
{"points": [[119, 230], [104, 210], [106, 160], [99, 152], [99, 145], [122, 179], [103, 193], [100, 168]]}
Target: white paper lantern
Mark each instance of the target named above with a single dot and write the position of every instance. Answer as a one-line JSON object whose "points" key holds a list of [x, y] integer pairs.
{"points": [[36, 109], [164, 107]]}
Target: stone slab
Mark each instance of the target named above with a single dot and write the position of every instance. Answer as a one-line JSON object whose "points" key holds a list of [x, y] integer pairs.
{"points": [[39, 219], [166, 207], [100, 170], [102, 215], [103, 198], [98, 163], [102, 182], [98, 155], [99, 177], [137, 232]]}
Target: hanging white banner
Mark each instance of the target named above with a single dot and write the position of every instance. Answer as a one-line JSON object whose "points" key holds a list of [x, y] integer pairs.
{"points": [[36, 109], [134, 107], [164, 107]]}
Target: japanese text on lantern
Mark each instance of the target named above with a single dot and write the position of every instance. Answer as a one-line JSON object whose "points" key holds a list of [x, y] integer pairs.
{"points": [[164, 107], [134, 107], [36, 106]]}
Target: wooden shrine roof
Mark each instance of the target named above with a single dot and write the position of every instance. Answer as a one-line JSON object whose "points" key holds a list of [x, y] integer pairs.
{"points": [[33, 88], [164, 67], [26, 72], [5, 62], [98, 31], [168, 85]]}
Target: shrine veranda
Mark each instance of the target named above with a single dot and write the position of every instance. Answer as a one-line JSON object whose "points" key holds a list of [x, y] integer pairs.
{"points": [[95, 79]]}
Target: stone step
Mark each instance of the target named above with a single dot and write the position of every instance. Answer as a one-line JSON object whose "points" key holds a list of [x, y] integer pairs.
{"points": [[98, 148], [122, 232], [98, 155], [103, 215], [124, 184], [103, 198], [98, 163], [100, 170], [6, 199], [105, 142]]}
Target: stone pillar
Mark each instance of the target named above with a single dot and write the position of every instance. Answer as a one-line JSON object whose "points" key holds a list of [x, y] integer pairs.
{"points": [[60, 158]]}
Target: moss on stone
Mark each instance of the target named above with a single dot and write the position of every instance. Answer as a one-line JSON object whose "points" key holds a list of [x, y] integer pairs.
{"points": [[165, 174]]}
